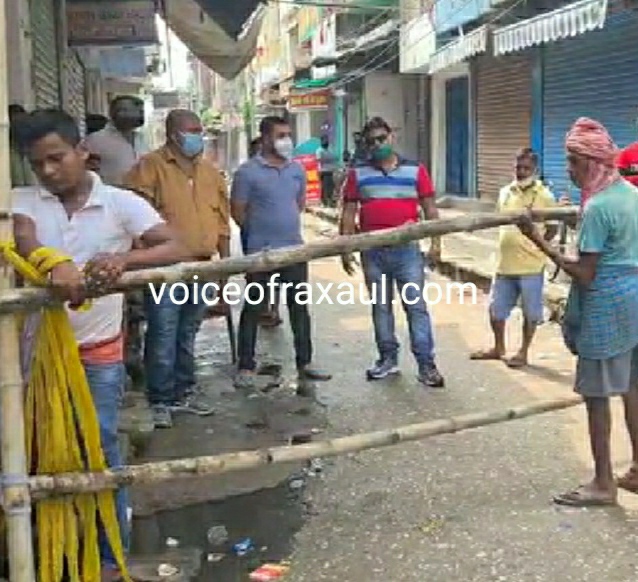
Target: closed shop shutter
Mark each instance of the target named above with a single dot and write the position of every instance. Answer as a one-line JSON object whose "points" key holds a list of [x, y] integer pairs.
{"points": [[46, 72], [504, 109], [75, 88], [593, 75]]}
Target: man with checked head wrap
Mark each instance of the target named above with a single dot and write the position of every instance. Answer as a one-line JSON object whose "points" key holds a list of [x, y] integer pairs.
{"points": [[601, 318]]}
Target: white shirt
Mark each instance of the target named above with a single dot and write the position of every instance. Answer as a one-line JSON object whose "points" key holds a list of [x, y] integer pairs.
{"points": [[117, 154], [108, 223]]}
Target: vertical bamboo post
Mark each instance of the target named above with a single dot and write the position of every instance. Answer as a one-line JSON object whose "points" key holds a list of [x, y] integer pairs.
{"points": [[16, 499]]}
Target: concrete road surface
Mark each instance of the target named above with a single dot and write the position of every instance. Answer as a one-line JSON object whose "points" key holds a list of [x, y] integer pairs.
{"points": [[474, 506], [470, 507]]}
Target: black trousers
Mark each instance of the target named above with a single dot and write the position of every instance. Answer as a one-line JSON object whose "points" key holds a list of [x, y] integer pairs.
{"points": [[327, 188], [254, 306]]}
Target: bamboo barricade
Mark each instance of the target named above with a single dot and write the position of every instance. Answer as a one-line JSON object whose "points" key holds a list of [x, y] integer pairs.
{"points": [[15, 492], [151, 473], [30, 299]]}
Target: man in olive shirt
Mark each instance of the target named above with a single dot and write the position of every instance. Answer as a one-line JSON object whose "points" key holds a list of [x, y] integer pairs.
{"points": [[191, 194]]}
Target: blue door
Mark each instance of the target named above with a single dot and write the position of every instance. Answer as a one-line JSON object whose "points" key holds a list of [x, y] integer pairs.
{"points": [[457, 134]]}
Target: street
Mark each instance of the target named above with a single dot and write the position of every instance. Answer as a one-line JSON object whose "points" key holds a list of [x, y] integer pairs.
{"points": [[474, 506]]}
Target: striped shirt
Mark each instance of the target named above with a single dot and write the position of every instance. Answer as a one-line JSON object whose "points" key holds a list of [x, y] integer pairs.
{"points": [[388, 199]]}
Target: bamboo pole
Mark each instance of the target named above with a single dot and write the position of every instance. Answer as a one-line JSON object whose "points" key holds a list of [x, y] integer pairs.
{"points": [[29, 299], [16, 499], [151, 473]]}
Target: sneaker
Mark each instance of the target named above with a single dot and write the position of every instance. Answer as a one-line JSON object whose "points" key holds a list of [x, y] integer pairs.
{"points": [[244, 380], [310, 373], [431, 377], [162, 417], [193, 405], [382, 369]]}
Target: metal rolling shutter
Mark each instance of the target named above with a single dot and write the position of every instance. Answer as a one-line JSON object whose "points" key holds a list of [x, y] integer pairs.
{"points": [[75, 88], [46, 72], [504, 109], [593, 75]]}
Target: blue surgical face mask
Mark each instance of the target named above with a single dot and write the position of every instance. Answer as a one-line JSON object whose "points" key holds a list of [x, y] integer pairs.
{"points": [[192, 144]]}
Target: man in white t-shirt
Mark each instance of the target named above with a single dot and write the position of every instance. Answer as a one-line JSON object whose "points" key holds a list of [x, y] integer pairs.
{"points": [[77, 214]]}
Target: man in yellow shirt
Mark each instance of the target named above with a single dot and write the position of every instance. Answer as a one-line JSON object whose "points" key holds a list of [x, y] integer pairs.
{"points": [[520, 274]]}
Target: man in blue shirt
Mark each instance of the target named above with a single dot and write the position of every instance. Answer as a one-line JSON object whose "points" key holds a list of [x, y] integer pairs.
{"points": [[267, 198]]}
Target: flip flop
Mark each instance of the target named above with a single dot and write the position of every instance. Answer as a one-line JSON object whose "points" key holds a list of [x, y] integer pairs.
{"points": [[516, 363], [580, 498], [629, 481], [485, 355]]}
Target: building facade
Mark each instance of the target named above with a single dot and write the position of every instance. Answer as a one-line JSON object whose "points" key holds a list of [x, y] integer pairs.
{"points": [[503, 75]]}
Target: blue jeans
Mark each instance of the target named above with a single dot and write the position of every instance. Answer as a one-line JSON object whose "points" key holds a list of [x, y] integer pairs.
{"points": [[405, 266], [107, 382], [169, 350]]}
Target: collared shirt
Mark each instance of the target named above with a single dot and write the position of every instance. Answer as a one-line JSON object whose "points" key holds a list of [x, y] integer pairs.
{"points": [[195, 204], [117, 154], [388, 199], [517, 254], [274, 197], [108, 223]]}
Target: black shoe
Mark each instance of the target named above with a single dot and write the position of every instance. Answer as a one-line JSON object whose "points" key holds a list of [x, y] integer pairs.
{"points": [[431, 377], [382, 369]]}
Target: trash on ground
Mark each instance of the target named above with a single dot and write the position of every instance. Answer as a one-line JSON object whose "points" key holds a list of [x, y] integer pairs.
{"points": [[167, 570], [217, 535], [215, 557], [269, 572], [432, 526], [315, 467], [296, 484], [172, 542], [242, 547]]}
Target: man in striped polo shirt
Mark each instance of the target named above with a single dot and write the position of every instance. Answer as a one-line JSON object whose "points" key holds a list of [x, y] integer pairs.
{"points": [[385, 192]]}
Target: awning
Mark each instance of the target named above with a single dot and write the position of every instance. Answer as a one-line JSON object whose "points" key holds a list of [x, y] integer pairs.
{"points": [[232, 17], [461, 49], [568, 21], [209, 41]]}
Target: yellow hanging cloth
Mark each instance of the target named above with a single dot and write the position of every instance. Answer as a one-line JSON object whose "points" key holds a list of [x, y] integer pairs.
{"points": [[62, 433]]}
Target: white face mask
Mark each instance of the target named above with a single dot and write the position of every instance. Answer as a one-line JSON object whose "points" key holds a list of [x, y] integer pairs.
{"points": [[284, 147], [526, 183]]}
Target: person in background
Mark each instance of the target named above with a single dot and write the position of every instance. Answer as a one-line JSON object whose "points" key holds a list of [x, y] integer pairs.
{"points": [[95, 122], [119, 145], [267, 200], [99, 237], [255, 147], [387, 192], [191, 195], [520, 274], [114, 149], [360, 155], [627, 163], [21, 173], [600, 325], [327, 166]]}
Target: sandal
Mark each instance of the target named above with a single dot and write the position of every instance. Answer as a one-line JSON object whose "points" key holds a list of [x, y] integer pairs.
{"points": [[582, 497], [485, 355], [516, 362], [629, 481]]}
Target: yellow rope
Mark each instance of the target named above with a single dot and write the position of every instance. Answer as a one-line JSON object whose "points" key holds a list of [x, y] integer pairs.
{"points": [[62, 433]]}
